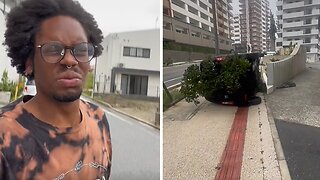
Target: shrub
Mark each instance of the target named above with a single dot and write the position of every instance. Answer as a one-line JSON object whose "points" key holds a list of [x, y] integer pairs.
{"points": [[215, 78]]}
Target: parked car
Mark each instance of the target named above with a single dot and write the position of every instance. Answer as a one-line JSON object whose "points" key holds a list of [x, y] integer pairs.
{"points": [[30, 88]]}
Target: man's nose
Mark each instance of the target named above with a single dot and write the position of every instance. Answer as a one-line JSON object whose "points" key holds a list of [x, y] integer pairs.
{"points": [[68, 58]]}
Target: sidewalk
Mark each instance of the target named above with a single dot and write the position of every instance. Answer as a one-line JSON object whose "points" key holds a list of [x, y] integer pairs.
{"points": [[195, 139], [142, 111]]}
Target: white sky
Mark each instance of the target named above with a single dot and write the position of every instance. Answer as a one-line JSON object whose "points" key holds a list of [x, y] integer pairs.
{"points": [[273, 7], [124, 15]]}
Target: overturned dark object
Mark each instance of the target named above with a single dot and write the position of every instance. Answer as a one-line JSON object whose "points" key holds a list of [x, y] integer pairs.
{"points": [[287, 85], [246, 94]]}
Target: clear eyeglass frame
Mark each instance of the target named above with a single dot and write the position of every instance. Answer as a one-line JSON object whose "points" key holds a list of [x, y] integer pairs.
{"points": [[54, 52]]}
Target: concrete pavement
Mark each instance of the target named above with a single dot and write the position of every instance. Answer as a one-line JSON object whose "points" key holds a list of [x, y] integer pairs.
{"points": [[195, 139], [296, 111]]}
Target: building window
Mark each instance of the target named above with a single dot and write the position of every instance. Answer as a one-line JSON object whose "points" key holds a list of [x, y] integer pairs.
{"points": [[126, 51], [181, 30], [307, 40], [133, 52], [279, 43], [307, 31], [307, 2], [195, 34], [136, 52], [308, 11], [167, 26], [308, 21], [308, 49], [134, 85], [205, 36]]}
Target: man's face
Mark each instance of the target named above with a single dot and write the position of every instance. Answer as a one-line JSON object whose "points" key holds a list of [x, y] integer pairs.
{"points": [[55, 80]]}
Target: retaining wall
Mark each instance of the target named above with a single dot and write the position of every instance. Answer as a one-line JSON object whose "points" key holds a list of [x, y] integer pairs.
{"points": [[284, 70]]}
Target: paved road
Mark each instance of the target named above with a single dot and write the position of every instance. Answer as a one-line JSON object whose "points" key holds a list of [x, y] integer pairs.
{"points": [[136, 148], [296, 111], [173, 74]]}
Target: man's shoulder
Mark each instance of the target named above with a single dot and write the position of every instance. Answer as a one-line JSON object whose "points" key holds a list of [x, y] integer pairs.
{"points": [[90, 106], [92, 110], [10, 107], [95, 113]]}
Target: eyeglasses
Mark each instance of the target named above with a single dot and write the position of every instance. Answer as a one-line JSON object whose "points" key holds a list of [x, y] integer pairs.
{"points": [[54, 52]]}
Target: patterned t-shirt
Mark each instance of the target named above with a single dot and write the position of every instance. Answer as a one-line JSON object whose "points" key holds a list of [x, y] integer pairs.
{"points": [[33, 149]]}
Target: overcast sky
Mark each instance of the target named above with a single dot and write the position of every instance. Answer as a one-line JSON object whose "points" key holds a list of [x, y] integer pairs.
{"points": [[124, 15], [235, 5]]}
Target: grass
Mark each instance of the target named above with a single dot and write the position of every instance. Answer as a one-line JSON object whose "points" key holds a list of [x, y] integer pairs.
{"points": [[176, 97]]}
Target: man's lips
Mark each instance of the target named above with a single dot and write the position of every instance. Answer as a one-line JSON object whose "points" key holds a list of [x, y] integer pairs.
{"points": [[75, 82], [70, 80]]}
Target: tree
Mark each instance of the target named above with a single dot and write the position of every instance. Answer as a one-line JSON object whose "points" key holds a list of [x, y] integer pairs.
{"points": [[6, 84]]}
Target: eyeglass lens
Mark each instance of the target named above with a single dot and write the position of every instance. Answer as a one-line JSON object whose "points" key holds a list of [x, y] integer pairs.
{"points": [[54, 52]]}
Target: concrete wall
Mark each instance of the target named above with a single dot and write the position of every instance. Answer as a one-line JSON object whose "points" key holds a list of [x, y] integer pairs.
{"points": [[182, 56], [284, 70]]}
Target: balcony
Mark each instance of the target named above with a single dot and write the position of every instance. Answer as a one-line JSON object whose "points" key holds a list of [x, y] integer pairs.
{"points": [[287, 43], [166, 3], [313, 41], [178, 3], [293, 15], [293, 24], [293, 5], [292, 34], [279, 13]]}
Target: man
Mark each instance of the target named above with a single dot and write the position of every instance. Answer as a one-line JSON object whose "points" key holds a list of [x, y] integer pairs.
{"points": [[53, 135]]}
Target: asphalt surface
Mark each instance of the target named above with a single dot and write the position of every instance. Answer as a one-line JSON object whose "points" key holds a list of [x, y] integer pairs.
{"points": [[296, 111], [173, 74], [135, 148], [301, 149]]}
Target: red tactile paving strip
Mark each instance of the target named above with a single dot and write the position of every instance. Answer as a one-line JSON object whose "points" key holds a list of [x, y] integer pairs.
{"points": [[229, 167]]}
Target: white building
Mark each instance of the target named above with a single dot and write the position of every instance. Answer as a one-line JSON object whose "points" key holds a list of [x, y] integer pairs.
{"points": [[236, 33], [5, 63], [255, 23], [130, 64], [299, 23]]}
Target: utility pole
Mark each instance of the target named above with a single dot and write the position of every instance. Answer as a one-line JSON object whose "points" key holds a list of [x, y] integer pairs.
{"points": [[215, 23], [94, 77]]}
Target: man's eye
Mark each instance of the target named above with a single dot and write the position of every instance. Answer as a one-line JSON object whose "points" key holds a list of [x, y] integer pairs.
{"points": [[53, 50]]}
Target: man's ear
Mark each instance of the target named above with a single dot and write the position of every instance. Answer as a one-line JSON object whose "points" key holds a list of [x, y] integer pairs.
{"points": [[29, 67]]}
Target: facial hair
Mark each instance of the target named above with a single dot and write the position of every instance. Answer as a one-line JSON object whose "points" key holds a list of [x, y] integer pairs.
{"points": [[67, 98]]}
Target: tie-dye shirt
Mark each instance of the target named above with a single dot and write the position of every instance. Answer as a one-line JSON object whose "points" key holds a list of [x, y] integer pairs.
{"points": [[33, 149]]}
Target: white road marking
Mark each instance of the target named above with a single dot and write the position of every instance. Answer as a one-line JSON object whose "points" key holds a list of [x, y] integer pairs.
{"points": [[173, 79], [118, 117]]}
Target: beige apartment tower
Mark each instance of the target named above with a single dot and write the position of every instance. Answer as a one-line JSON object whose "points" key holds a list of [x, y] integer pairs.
{"points": [[191, 22], [255, 24]]}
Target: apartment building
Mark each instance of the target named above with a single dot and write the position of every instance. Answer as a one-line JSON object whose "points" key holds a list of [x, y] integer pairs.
{"points": [[299, 23], [254, 24], [130, 64], [236, 31], [192, 22]]}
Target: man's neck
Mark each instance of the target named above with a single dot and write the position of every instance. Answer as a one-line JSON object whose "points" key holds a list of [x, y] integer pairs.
{"points": [[58, 114]]}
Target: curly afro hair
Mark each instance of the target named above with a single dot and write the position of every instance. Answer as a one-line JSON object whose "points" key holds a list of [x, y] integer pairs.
{"points": [[24, 21]]}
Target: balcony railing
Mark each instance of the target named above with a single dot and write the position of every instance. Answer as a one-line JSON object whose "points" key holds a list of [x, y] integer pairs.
{"points": [[293, 5]]}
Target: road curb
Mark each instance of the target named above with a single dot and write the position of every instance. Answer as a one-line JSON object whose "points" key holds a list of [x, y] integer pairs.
{"points": [[121, 112], [283, 166]]}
